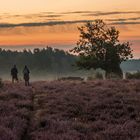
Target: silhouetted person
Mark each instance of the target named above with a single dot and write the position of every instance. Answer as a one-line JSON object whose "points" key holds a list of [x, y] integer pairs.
{"points": [[14, 74], [26, 76]]}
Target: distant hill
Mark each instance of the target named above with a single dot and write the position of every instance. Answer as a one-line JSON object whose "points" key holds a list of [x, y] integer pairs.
{"points": [[131, 65]]}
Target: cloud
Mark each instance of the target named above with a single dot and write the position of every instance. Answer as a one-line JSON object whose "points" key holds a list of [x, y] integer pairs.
{"points": [[31, 16], [53, 23], [125, 23], [124, 19], [47, 13], [52, 16], [53, 19], [77, 12], [111, 13], [34, 24]]}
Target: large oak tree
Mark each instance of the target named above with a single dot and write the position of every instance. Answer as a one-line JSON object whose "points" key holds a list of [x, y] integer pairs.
{"points": [[99, 47]]}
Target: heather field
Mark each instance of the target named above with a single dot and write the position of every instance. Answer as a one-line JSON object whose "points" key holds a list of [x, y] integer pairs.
{"points": [[71, 110]]}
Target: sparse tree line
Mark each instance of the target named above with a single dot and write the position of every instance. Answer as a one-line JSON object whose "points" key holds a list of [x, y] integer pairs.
{"points": [[39, 60]]}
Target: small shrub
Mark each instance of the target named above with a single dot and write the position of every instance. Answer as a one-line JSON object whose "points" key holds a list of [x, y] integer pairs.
{"points": [[113, 76], [135, 75], [1, 83], [98, 75], [90, 78]]}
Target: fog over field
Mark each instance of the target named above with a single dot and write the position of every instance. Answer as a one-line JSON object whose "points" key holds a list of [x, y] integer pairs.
{"points": [[49, 64]]}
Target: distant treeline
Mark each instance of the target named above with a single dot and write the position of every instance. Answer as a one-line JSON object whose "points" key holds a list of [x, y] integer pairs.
{"points": [[39, 60], [48, 60]]}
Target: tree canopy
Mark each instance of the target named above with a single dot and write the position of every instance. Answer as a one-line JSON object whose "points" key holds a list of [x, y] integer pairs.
{"points": [[99, 47]]}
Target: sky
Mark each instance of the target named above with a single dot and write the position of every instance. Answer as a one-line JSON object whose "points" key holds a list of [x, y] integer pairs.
{"points": [[41, 23]]}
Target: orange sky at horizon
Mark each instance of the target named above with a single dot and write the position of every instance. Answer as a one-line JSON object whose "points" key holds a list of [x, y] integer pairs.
{"points": [[49, 22], [36, 6]]}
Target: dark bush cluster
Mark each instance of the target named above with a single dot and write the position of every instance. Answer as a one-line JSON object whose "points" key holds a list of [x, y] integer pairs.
{"points": [[135, 75], [15, 107]]}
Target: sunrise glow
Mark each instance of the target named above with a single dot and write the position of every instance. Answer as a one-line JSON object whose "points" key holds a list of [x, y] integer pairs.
{"points": [[29, 23]]}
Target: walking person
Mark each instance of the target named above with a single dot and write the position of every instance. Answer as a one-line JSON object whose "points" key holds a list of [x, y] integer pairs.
{"points": [[26, 76], [14, 74]]}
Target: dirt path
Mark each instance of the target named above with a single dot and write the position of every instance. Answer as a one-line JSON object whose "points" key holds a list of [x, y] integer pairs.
{"points": [[26, 135], [34, 114]]}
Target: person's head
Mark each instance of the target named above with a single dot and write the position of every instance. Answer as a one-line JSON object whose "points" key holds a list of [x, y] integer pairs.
{"points": [[14, 66], [25, 66]]}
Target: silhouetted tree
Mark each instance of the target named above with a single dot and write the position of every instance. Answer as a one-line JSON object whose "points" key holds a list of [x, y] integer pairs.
{"points": [[99, 47]]}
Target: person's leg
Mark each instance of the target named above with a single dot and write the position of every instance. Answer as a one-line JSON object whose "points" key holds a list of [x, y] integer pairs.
{"points": [[27, 79], [12, 79], [17, 79], [25, 83], [28, 83]]}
